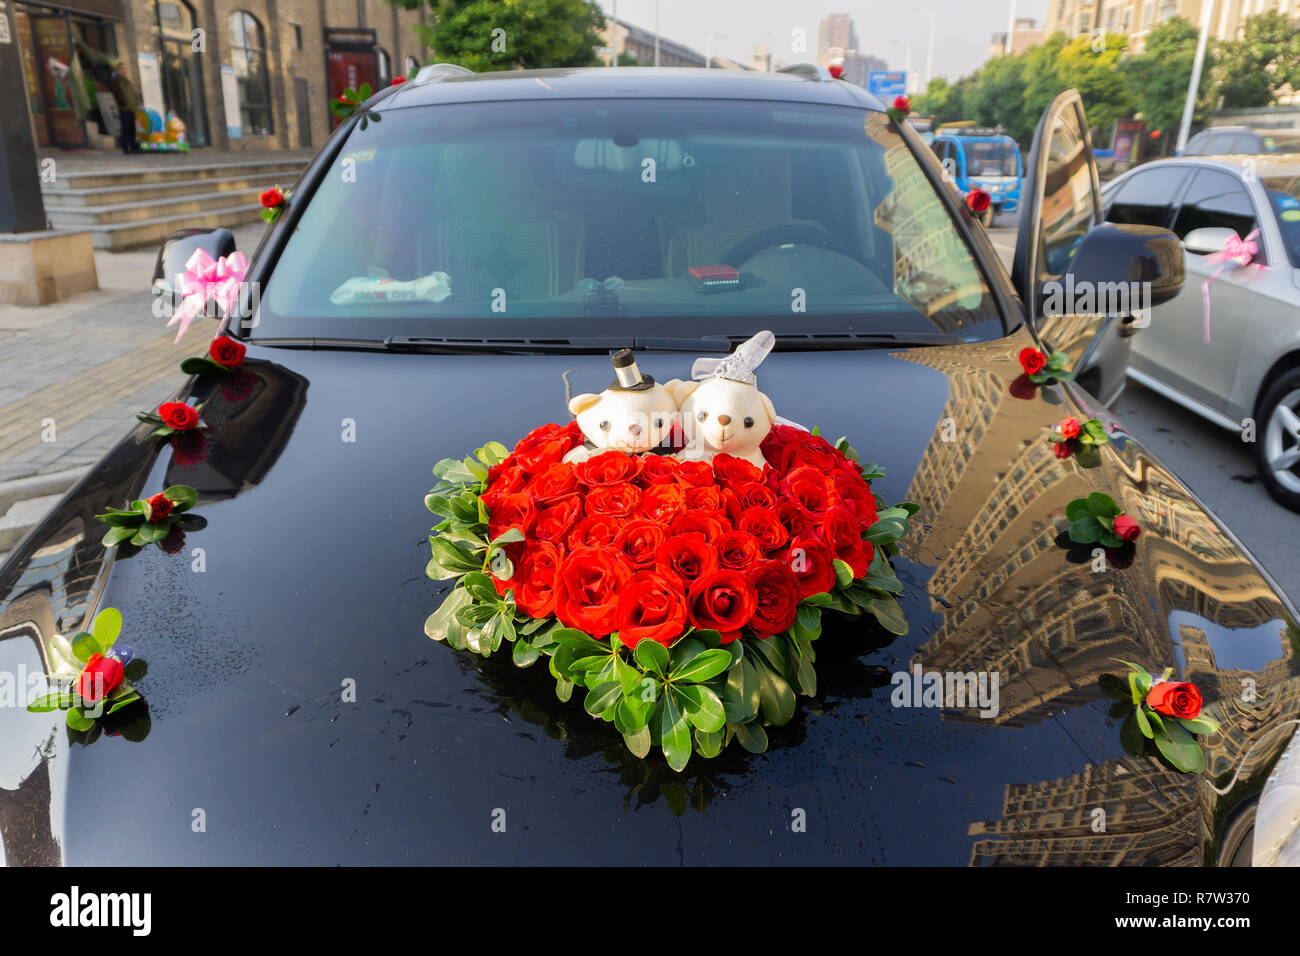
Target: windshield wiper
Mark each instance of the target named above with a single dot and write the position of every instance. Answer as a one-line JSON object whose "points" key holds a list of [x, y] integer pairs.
{"points": [[816, 341]]}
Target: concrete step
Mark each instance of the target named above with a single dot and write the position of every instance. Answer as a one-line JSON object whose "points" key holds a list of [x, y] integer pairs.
{"points": [[62, 197], [287, 169], [21, 517], [88, 217], [151, 232]]}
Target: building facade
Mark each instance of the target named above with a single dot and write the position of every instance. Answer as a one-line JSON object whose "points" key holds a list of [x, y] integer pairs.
{"points": [[620, 37], [1136, 18], [239, 74]]}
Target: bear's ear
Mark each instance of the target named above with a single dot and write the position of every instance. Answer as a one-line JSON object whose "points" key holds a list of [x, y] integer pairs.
{"points": [[580, 403], [679, 390], [771, 409]]}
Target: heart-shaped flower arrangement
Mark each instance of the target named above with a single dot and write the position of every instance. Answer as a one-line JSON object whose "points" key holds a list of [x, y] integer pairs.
{"points": [[684, 596]]}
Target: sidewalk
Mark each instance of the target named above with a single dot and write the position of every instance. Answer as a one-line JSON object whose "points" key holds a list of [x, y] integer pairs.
{"points": [[85, 366]]}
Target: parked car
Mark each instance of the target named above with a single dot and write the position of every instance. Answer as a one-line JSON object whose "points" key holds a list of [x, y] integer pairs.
{"points": [[1248, 371], [1240, 140], [291, 694], [980, 158]]}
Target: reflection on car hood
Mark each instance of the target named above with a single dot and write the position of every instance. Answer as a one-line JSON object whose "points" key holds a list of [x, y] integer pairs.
{"points": [[309, 580]]}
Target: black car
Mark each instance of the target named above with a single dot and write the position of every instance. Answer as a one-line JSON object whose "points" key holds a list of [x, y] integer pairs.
{"points": [[294, 711]]}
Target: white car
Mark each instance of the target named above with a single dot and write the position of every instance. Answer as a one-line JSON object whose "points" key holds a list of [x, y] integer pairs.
{"points": [[1248, 370]]}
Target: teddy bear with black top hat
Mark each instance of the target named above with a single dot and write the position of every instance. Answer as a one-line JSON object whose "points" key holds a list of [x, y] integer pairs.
{"points": [[635, 414]]}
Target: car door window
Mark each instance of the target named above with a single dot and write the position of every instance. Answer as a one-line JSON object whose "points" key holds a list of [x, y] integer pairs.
{"points": [[1215, 199], [1147, 198], [1245, 144]]}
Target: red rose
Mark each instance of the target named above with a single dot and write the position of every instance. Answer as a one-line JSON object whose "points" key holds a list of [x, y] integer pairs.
{"points": [[810, 489], [160, 506], [724, 601], [650, 608], [710, 524], [764, 525], [545, 446], [737, 550], [777, 593], [553, 481], [1032, 361], [753, 494], [506, 478], [1063, 449], [273, 197], [618, 500], [99, 678], [512, 511], [1175, 699], [686, 557], [813, 566], [842, 534], [178, 416], [1069, 427], [978, 200], [226, 352], [695, 473], [658, 469], [639, 542], [534, 579], [731, 472], [594, 531], [608, 468], [855, 494], [1126, 529], [587, 588], [398, 79], [663, 503], [557, 519], [823, 459], [903, 103], [704, 499], [794, 519]]}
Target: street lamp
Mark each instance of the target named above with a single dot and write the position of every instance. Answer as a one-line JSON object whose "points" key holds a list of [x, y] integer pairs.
{"points": [[1189, 105], [929, 56], [656, 32]]}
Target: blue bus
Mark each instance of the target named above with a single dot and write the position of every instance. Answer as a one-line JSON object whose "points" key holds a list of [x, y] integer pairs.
{"points": [[977, 157]]}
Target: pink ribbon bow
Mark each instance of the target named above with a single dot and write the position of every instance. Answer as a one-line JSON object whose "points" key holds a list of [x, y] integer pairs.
{"points": [[208, 280], [1237, 253]]}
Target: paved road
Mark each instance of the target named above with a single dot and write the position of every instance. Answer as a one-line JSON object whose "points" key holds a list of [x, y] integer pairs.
{"points": [[1214, 463]]}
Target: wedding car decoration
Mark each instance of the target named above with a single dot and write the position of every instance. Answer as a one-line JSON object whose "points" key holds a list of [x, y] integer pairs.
{"points": [[208, 280], [1041, 368], [978, 200], [274, 201], [1166, 713], [350, 101], [1237, 253], [1071, 437], [900, 109], [634, 414], [152, 519], [1096, 519], [105, 682], [172, 418], [682, 595], [224, 355]]}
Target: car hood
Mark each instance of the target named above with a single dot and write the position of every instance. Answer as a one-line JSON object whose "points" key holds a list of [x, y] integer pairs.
{"points": [[297, 714]]}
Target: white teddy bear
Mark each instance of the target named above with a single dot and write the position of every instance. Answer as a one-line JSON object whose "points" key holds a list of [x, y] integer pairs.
{"points": [[635, 414], [726, 412]]}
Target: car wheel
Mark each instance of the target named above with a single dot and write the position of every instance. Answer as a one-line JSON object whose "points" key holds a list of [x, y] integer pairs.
{"points": [[1277, 443]]}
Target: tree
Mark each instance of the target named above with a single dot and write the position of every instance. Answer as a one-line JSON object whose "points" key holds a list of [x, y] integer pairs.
{"points": [[996, 96], [486, 35], [1255, 67], [1157, 78], [1090, 67], [940, 100]]}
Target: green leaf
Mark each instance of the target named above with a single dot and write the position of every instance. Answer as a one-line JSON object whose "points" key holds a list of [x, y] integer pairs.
{"points": [[885, 530], [150, 532], [707, 744], [1199, 725], [1103, 505], [1144, 724], [601, 697], [751, 736], [107, 626], [703, 708], [1181, 749], [1085, 530], [674, 730], [775, 696], [563, 689], [438, 623], [579, 642], [1057, 360], [843, 573], [48, 702], [525, 654], [1114, 687], [508, 536], [890, 615], [684, 651], [121, 702], [116, 535], [1130, 736], [653, 656], [1076, 509], [79, 721], [84, 645], [135, 670], [639, 742], [702, 666], [183, 497], [808, 617]]}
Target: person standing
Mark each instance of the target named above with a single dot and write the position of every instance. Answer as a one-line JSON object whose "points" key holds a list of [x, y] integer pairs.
{"points": [[128, 100]]}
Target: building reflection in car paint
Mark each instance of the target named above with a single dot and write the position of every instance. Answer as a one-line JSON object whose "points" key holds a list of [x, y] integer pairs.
{"points": [[1051, 633]]}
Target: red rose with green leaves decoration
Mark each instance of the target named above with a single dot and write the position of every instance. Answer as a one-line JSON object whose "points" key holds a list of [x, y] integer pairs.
{"points": [[1043, 368], [1161, 712], [901, 107], [149, 521], [978, 200], [1096, 519], [172, 418], [274, 201]]}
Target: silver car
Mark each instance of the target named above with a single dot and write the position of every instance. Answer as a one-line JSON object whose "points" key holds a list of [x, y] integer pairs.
{"points": [[1246, 374]]}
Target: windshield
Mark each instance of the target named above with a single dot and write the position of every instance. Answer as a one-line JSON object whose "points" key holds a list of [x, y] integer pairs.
{"points": [[1284, 196], [631, 217], [990, 158]]}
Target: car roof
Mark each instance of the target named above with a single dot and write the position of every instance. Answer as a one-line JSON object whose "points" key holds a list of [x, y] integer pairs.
{"points": [[1214, 130], [630, 82], [1266, 165]]}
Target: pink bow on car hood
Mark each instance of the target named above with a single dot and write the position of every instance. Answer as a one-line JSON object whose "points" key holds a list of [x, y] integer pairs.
{"points": [[206, 279], [1236, 252]]}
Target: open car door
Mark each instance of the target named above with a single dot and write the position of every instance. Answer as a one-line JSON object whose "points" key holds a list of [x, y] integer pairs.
{"points": [[1061, 206]]}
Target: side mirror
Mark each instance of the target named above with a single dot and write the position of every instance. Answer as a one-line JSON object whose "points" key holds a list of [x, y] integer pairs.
{"points": [[1207, 241], [176, 251], [1116, 270]]}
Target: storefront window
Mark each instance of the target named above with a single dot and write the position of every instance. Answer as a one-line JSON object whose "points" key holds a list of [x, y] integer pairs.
{"points": [[248, 55]]}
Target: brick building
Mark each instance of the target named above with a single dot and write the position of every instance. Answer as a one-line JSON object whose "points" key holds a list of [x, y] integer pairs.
{"points": [[257, 74]]}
